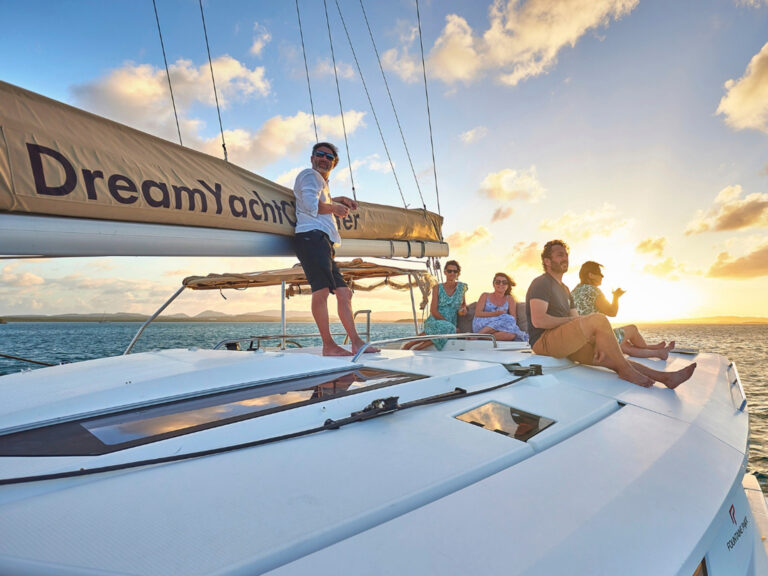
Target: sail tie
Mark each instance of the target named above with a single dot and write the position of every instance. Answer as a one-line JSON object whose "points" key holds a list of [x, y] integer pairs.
{"points": [[215, 94], [167, 73]]}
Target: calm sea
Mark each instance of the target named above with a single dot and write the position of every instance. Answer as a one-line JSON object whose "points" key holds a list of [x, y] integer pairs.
{"points": [[53, 342]]}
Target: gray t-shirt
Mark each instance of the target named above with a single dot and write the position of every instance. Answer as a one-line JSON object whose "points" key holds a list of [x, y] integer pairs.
{"points": [[557, 295]]}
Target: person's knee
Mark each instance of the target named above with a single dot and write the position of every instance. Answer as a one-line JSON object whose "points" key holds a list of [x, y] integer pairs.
{"points": [[320, 295], [344, 295], [598, 322]]}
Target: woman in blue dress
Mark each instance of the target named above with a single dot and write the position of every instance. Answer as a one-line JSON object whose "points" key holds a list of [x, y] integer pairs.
{"points": [[446, 305], [495, 311]]}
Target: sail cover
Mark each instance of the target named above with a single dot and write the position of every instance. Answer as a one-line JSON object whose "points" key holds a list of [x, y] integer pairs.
{"points": [[58, 160]]}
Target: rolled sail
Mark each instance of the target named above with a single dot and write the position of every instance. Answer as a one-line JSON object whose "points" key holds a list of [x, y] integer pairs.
{"points": [[59, 161]]}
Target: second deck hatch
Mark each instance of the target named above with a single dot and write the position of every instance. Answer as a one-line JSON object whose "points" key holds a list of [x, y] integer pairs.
{"points": [[506, 420]]}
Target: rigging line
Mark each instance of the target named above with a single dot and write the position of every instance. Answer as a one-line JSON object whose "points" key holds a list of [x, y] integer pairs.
{"points": [[429, 116], [306, 68], [338, 92], [392, 102], [167, 73], [215, 94], [370, 102]]}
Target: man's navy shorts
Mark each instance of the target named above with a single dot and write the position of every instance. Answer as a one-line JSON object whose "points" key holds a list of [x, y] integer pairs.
{"points": [[315, 252]]}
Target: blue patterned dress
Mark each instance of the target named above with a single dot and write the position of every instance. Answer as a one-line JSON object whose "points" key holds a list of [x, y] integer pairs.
{"points": [[502, 323], [448, 306]]}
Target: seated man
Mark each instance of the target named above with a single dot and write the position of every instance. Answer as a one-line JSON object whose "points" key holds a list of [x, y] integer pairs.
{"points": [[557, 330]]}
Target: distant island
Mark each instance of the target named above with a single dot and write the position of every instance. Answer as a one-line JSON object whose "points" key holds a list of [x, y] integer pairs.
{"points": [[205, 316]]}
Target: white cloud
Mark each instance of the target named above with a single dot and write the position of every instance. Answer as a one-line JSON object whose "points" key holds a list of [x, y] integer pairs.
{"points": [[731, 212], [324, 67], [745, 104], [288, 178], [10, 278], [523, 40], [525, 255], [654, 246], [572, 226], [261, 37], [511, 184], [473, 135], [463, 240]]}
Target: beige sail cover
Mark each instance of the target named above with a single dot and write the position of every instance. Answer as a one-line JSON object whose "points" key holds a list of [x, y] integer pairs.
{"points": [[62, 161], [354, 271]]}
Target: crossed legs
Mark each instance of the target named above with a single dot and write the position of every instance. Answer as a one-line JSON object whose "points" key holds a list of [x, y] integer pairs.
{"points": [[602, 349]]}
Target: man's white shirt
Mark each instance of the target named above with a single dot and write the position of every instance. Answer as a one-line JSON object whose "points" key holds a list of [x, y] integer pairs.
{"points": [[310, 189]]}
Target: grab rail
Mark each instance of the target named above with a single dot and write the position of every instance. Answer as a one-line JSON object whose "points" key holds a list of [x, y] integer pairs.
{"points": [[463, 336], [737, 380]]}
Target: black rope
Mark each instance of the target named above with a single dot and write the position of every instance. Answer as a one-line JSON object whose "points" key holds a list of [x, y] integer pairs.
{"points": [[377, 408], [370, 103], [306, 68], [392, 102], [429, 116], [167, 73], [338, 92], [215, 94], [26, 360]]}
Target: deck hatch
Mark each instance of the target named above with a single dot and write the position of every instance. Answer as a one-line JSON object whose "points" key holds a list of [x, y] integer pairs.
{"points": [[129, 428], [506, 420]]}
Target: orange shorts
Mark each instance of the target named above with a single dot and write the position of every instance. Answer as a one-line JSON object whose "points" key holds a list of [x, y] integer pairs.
{"points": [[567, 340]]}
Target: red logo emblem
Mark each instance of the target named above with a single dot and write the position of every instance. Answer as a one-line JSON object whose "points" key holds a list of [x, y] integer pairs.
{"points": [[732, 512]]}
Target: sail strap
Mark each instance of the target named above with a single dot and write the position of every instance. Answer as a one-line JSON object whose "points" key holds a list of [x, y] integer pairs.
{"points": [[306, 69], [392, 102], [429, 115], [338, 92], [167, 73], [215, 94], [370, 103]]}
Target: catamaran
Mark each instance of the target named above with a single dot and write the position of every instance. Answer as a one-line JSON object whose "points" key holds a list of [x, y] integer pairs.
{"points": [[479, 458]]}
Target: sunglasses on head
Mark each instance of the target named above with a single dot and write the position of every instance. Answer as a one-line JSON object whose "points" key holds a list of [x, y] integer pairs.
{"points": [[320, 154]]}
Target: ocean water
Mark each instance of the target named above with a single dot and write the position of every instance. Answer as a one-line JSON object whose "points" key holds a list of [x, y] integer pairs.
{"points": [[57, 342]]}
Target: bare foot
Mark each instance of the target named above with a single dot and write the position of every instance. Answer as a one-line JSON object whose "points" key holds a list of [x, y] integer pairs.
{"points": [[671, 346], [661, 344], [369, 350], [335, 350], [632, 375], [662, 353], [677, 378]]}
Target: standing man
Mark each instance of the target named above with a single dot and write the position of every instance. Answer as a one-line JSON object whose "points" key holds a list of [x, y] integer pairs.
{"points": [[557, 330], [316, 237]]}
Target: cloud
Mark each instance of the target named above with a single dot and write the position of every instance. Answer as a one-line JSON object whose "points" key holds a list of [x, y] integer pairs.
{"points": [[10, 278], [372, 163], [522, 40], [289, 178], [324, 67], [745, 104], [261, 37], [753, 3], [463, 240], [667, 268], [753, 265], [513, 185], [655, 246], [731, 212], [502, 213], [281, 136], [473, 135], [572, 226], [525, 255], [137, 94]]}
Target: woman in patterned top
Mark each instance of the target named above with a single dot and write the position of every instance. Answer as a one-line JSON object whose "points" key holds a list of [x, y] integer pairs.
{"points": [[495, 311], [590, 299], [447, 304]]}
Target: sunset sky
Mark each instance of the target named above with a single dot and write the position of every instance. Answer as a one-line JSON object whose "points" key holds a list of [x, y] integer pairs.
{"points": [[636, 130]]}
